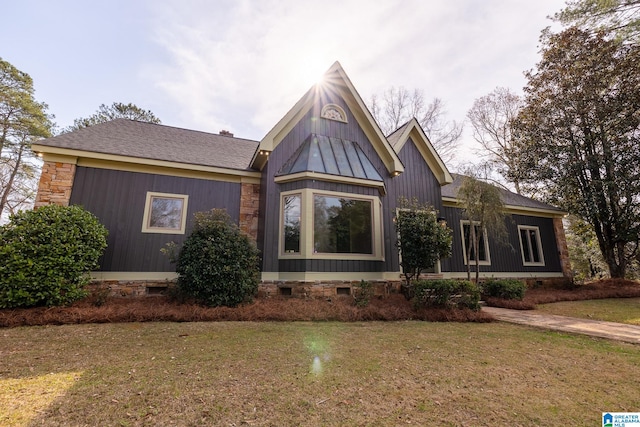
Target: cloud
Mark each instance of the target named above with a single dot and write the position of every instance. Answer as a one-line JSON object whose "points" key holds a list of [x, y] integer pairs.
{"points": [[242, 65]]}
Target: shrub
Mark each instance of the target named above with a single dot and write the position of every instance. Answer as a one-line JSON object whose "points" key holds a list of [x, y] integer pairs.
{"points": [[217, 265], [363, 293], [446, 293], [505, 289], [45, 255]]}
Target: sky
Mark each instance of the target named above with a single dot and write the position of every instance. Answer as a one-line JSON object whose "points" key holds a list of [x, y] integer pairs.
{"points": [[240, 65]]}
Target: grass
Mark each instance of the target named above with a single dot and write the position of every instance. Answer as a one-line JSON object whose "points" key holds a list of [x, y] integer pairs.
{"points": [[310, 373], [620, 310]]}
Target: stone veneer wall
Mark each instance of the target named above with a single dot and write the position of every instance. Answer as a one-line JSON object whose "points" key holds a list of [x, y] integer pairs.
{"points": [[249, 209], [563, 249], [317, 289], [55, 184]]}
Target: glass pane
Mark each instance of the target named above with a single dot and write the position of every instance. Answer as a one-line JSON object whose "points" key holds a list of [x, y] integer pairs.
{"points": [[291, 223], [166, 213], [468, 242], [526, 252], [342, 225], [535, 251]]}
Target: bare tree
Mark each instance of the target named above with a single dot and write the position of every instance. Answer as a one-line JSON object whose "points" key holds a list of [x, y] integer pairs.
{"points": [[399, 105], [491, 117]]}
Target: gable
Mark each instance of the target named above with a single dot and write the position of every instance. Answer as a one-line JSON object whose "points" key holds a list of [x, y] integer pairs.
{"points": [[413, 131], [335, 82]]}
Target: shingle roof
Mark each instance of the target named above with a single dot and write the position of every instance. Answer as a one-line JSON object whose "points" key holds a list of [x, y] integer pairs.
{"points": [[131, 138], [508, 198], [334, 156]]}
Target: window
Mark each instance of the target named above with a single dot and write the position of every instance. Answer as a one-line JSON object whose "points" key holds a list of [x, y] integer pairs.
{"points": [[342, 225], [165, 213], [330, 225], [467, 244], [530, 245], [291, 230]]}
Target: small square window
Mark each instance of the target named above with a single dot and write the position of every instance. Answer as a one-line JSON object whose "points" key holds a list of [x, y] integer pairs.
{"points": [[165, 213]]}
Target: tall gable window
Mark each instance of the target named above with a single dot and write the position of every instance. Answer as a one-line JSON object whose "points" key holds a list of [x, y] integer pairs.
{"points": [[165, 213], [330, 225], [530, 245], [467, 244]]}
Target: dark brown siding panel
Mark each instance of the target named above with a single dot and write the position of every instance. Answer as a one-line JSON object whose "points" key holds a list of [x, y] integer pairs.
{"points": [[505, 257], [117, 198]]}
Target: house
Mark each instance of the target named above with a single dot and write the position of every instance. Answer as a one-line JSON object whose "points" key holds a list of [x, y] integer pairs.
{"points": [[325, 162]]}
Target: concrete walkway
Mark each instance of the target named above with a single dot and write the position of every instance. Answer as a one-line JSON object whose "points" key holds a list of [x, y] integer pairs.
{"points": [[594, 328]]}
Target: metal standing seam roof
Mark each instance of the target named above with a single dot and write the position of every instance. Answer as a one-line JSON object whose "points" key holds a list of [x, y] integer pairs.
{"points": [[333, 156], [143, 140]]}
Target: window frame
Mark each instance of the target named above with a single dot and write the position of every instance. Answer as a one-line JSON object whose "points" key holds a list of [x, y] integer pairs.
{"points": [[148, 206], [464, 222], [525, 263], [307, 196]]}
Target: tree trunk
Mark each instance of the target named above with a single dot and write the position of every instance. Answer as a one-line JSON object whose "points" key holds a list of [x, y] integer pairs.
{"points": [[9, 187]]}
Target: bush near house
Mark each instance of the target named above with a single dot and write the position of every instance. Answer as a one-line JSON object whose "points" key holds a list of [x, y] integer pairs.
{"points": [[45, 255], [217, 265], [505, 289], [446, 293]]}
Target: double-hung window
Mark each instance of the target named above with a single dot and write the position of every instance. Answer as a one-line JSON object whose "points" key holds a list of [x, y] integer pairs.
{"points": [[468, 247], [530, 245]]}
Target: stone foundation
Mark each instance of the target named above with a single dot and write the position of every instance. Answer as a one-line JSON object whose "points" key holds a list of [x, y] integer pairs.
{"points": [[318, 289]]}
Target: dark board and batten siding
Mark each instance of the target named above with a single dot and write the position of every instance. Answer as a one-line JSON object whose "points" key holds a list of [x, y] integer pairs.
{"points": [[118, 198], [417, 181], [505, 257]]}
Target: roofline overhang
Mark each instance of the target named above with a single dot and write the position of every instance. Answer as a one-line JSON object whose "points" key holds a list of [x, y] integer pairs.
{"points": [[331, 178], [452, 202], [56, 152]]}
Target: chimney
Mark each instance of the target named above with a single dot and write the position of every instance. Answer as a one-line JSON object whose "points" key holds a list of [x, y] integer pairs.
{"points": [[225, 133]]}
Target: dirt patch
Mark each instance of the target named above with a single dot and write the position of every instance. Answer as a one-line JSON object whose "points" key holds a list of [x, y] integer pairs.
{"points": [[601, 289], [150, 309]]}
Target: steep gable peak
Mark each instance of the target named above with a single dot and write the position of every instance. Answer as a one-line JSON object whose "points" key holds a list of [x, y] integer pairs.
{"points": [[334, 82], [414, 132]]}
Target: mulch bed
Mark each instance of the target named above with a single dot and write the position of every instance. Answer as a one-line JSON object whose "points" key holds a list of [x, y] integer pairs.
{"points": [[601, 289], [342, 309], [155, 309]]}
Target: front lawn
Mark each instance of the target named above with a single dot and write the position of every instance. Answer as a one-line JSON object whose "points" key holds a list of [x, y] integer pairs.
{"points": [[620, 310], [311, 374]]}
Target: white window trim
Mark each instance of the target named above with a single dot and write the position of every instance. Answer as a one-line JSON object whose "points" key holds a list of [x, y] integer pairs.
{"points": [[538, 240], [306, 226], [146, 228], [464, 222]]}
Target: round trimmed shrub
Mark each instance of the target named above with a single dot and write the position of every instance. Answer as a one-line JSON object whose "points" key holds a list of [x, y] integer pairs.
{"points": [[45, 255], [217, 265], [505, 289]]}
